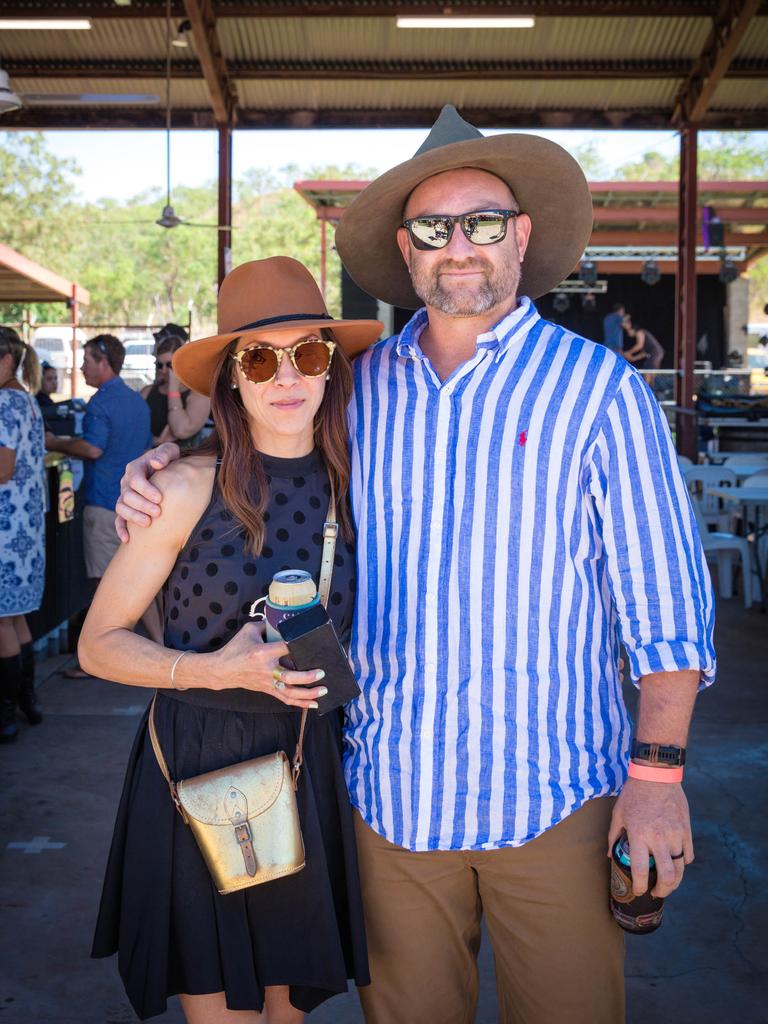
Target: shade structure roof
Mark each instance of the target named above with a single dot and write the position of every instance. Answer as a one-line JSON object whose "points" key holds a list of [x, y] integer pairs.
{"points": [[633, 220], [22, 280], [324, 63]]}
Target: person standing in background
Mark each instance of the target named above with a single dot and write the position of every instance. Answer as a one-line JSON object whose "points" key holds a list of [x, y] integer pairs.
{"points": [[613, 331], [646, 352], [176, 415], [22, 529], [115, 431], [49, 384]]}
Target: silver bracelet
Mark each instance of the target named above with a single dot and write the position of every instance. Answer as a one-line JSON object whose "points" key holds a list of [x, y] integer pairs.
{"points": [[173, 671]]}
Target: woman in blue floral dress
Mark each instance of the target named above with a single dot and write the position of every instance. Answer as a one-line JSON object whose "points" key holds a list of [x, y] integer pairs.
{"points": [[22, 528]]}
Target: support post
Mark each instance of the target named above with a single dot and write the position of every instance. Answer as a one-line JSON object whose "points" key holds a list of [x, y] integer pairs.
{"points": [[323, 254], [225, 201], [685, 311], [74, 319]]}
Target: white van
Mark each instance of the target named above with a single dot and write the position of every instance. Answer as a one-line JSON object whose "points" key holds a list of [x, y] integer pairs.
{"points": [[54, 346]]}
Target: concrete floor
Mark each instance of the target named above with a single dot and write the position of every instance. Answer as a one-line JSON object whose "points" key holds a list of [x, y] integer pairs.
{"points": [[706, 965]]}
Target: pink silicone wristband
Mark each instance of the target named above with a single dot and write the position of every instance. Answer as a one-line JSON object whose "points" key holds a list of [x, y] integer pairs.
{"points": [[648, 774], [174, 394]]}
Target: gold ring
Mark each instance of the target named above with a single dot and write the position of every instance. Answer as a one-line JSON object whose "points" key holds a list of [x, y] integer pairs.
{"points": [[277, 675]]}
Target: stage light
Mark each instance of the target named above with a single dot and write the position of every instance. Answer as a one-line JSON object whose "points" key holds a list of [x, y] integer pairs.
{"points": [[588, 272], [729, 272], [561, 303], [588, 302], [650, 273]]}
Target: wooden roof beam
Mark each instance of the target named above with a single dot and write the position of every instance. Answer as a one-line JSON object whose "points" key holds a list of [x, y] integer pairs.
{"points": [[209, 53], [369, 9], [126, 117], [365, 70], [728, 29]]}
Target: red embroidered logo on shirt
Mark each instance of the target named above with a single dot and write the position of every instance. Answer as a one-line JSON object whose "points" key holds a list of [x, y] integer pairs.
{"points": [[523, 438]]}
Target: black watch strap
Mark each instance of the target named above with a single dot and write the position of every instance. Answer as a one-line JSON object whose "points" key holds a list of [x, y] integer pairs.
{"points": [[674, 757]]}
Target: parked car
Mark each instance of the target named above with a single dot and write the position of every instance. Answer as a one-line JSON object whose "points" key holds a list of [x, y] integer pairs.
{"points": [[139, 365], [54, 346]]}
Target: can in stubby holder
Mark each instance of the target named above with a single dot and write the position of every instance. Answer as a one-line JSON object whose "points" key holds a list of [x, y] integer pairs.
{"points": [[290, 592], [636, 914]]}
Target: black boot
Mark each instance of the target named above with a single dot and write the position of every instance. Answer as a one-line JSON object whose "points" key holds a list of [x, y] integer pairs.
{"points": [[28, 701], [10, 677]]}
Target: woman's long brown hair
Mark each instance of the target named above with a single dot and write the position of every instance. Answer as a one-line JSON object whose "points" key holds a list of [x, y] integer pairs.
{"points": [[242, 479]]}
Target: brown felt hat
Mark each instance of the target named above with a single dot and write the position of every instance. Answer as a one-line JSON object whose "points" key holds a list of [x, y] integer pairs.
{"points": [[260, 298], [547, 182]]}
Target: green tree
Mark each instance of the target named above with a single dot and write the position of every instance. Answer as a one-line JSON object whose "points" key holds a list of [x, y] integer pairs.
{"points": [[722, 156]]}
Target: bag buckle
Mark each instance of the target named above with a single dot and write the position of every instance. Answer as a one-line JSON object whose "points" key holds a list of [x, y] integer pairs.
{"points": [[331, 530], [243, 834]]}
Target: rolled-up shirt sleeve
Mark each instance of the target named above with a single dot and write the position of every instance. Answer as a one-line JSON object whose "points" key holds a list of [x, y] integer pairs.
{"points": [[655, 564], [96, 428]]}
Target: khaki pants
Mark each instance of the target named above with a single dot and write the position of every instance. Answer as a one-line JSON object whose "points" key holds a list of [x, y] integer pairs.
{"points": [[100, 541], [559, 956]]}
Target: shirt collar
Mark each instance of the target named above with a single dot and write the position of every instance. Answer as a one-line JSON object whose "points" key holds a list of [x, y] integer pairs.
{"points": [[501, 336], [110, 383]]}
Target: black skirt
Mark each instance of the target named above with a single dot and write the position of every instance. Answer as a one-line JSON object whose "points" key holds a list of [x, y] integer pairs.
{"points": [[160, 911]]}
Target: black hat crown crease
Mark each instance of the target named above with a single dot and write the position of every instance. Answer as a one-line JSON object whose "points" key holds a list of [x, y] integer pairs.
{"points": [[448, 128]]}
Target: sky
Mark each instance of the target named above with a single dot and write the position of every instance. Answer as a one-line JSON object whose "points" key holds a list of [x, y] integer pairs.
{"points": [[121, 164]]}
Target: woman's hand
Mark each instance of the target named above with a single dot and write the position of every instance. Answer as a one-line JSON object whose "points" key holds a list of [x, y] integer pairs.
{"points": [[248, 663], [139, 501]]}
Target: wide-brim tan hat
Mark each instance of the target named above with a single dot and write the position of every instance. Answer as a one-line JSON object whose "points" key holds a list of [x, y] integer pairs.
{"points": [[547, 182], [260, 298]]}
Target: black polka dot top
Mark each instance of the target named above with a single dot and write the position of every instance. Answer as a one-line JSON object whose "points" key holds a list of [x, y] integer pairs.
{"points": [[214, 582]]}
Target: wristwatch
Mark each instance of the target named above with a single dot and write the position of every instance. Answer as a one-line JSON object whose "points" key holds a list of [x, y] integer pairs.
{"points": [[671, 757]]}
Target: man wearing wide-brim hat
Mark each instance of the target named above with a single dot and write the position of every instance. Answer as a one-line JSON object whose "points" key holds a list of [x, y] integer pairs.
{"points": [[520, 511]]}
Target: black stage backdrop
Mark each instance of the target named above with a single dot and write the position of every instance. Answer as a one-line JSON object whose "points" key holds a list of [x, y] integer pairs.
{"points": [[651, 306]]}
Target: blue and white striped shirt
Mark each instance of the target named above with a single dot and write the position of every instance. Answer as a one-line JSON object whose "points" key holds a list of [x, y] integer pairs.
{"points": [[515, 522]]}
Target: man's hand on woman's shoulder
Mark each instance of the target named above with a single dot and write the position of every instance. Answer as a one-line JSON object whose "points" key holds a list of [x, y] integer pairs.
{"points": [[139, 501]]}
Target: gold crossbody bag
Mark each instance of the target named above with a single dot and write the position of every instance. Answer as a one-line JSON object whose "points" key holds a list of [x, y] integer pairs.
{"points": [[244, 817]]}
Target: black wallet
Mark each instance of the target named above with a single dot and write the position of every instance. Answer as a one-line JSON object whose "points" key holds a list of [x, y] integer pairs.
{"points": [[312, 643]]}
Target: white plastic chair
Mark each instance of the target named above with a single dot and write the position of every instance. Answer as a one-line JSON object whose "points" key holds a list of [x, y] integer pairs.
{"points": [[750, 458], [684, 462], [698, 479], [725, 546]]}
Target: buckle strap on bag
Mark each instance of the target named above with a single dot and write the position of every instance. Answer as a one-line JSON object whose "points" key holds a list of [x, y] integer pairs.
{"points": [[330, 533], [236, 808]]}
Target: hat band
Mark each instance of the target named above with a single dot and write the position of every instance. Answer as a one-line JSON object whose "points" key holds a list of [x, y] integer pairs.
{"points": [[282, 319]]}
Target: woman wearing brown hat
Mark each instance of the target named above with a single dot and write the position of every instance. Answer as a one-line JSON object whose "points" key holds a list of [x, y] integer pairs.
{"points": [[250, 501]]}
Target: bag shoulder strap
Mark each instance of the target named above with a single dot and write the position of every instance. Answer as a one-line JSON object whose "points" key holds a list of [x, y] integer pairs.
{"points": [[330, 533]]}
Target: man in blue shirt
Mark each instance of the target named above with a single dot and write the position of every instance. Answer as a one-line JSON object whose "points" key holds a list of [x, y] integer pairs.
{"points": [[613, 328], [116, 430]]}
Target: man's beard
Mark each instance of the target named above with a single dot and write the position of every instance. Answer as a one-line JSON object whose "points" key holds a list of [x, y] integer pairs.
{"points": [[499, 285]]}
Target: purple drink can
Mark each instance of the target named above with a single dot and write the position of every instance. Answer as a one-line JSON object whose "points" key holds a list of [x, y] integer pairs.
{"points": [[291, 591]]}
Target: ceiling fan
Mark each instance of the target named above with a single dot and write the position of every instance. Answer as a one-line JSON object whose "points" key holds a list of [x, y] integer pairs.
{"points": [[168, 218]]}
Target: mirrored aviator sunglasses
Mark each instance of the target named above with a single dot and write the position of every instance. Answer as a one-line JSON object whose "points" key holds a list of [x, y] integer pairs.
{"points": [[481, 227], [260, 362]]}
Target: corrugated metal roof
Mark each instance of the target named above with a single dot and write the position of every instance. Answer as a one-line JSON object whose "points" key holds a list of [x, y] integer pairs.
{"points": [[302, 40], [107, 39], [560, 39], [315, 95], [754, 45], [736, 94]]}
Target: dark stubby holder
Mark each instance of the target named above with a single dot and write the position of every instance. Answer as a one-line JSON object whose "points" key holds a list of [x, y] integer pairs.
{"points": [[313, 644]]}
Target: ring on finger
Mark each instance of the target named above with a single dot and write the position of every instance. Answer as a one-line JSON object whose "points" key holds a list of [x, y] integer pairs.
{"points": [[678, 856], [277, 675]]}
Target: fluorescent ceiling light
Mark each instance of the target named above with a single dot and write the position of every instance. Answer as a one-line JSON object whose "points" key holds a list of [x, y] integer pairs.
{"points": [[449, 22], [18, 24], [90, 99]]}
